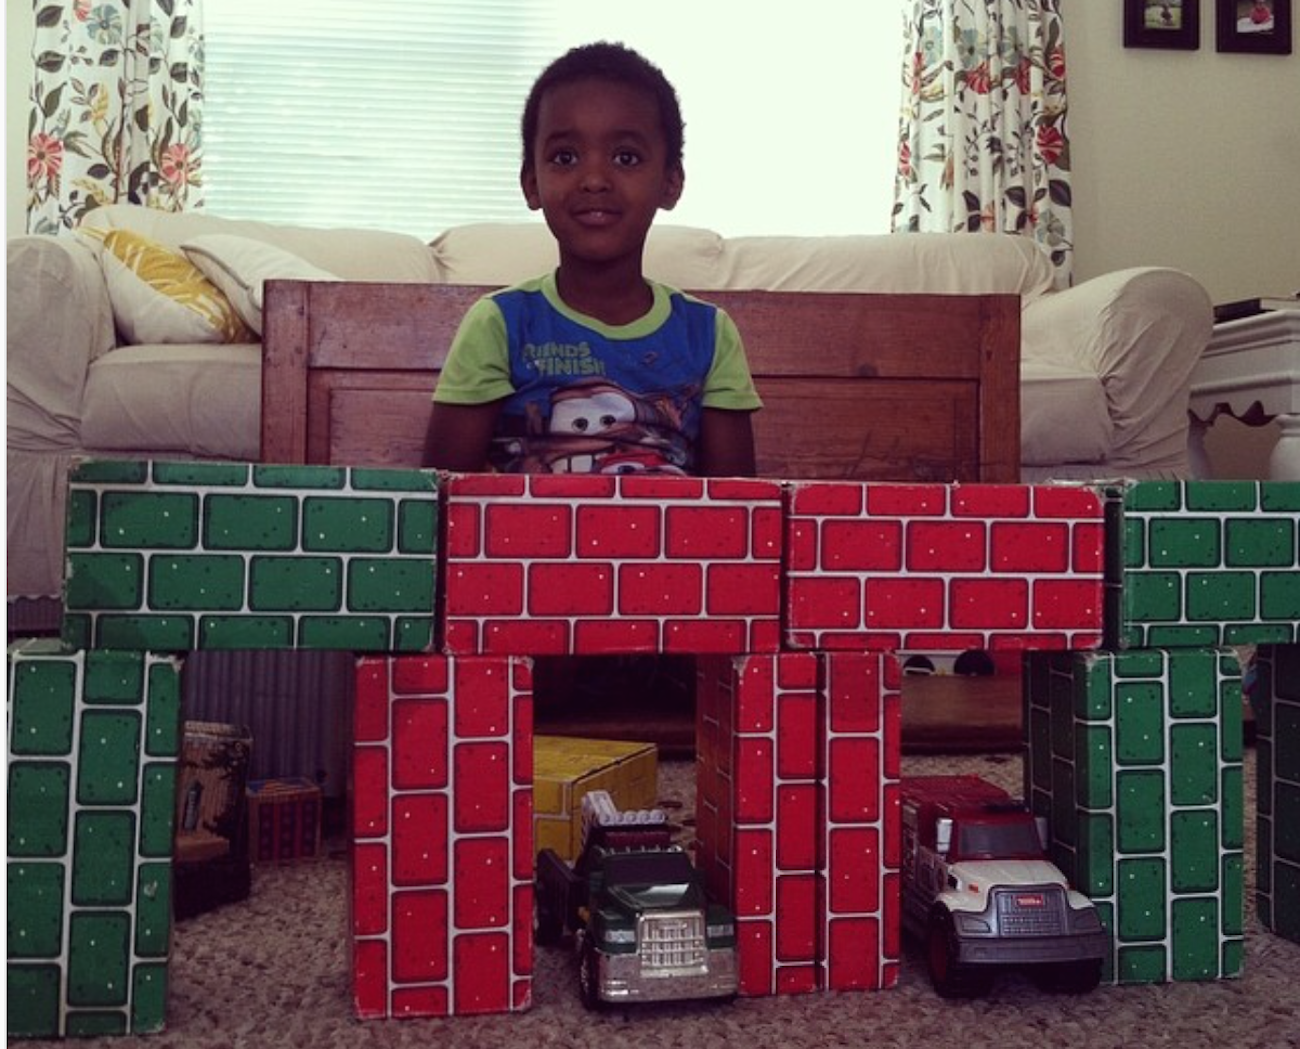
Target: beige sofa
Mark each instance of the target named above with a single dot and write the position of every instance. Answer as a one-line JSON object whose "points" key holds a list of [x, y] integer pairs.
{"points": [[1105, 366]]}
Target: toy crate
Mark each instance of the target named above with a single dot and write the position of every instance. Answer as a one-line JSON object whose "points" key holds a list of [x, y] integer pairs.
{"points": [[565, 768], [284, 819], [211, 846]]}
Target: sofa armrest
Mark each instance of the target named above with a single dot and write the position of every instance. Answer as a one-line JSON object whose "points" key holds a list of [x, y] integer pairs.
{"points": [[59, 320], [1141, 331]]}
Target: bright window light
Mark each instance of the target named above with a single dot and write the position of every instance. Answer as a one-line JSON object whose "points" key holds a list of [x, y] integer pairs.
{"points": [[405, 116]]}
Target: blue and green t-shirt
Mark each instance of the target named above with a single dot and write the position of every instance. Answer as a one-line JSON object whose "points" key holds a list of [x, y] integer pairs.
{"points": [[581, 396]]}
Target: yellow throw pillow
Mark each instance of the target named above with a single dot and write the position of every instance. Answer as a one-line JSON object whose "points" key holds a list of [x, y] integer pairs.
{"points": [[159, 296]]}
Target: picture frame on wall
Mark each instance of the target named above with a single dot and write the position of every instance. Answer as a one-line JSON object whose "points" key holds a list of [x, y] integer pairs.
{"points": [[1170, 24], [1260, 27]]}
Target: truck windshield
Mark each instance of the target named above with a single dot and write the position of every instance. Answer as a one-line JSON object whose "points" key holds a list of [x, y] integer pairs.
{"points": [[1007, 840], [647, 869]]}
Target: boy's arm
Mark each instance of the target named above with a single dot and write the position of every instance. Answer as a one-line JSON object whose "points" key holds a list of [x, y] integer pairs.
{"points": [[726, 444], [459, 435]]}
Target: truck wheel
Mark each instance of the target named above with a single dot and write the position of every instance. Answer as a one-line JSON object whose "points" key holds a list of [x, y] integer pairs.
{"points": [[589, 977], [1069, 977], [950, 978]]}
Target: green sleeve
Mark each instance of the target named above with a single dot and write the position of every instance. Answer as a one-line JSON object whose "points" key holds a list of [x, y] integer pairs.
{"points": [[477, 370], [729, 384]]}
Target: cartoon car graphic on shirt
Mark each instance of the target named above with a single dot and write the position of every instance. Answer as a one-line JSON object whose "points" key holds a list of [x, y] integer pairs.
{"points": [[597, 426]]}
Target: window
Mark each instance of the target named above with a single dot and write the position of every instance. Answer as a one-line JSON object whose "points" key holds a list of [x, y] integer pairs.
{"points": [[405, 115]]}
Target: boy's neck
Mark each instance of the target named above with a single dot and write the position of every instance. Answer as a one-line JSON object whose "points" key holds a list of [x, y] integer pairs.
{"points": [[611, 294]]}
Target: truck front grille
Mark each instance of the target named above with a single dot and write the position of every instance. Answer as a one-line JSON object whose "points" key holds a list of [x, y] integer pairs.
{"points": [[1031, 912], [672, 942]]}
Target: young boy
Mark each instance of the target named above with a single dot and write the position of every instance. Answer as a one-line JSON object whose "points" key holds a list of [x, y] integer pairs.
{"points": [[592, 368]]}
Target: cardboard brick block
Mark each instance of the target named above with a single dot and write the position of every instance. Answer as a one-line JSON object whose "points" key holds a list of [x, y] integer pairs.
{"points": [[1135, 758], [943, 568], [566, 768], [92, 746], [861, 834], [175, 556], [1275, 698], [585, 565], [796, 780], [1204, 563], [284, 819], [442, 885]]}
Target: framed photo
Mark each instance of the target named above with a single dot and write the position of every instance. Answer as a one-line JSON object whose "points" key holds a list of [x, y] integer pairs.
{"points": [[1173, 24], [1261, 27]]}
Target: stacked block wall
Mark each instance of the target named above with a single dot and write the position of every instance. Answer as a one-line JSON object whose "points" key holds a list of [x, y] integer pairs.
{"points": [[1206, 563], [442, 864], [891, 567], [796, 809], [1135, 759], [183, 556], [93, 743], [1275, 697], [550, 565]]}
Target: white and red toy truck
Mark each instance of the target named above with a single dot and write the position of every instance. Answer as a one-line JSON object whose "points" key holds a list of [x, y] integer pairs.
{"points": [[979, 890]]}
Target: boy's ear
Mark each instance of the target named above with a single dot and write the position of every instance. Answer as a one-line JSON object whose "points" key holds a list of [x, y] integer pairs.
{"points": [[528, 183], [674, 183]]}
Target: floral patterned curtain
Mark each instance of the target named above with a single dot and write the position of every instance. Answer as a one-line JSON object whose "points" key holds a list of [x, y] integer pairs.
{"points": [[115, 108], [982, 141]]}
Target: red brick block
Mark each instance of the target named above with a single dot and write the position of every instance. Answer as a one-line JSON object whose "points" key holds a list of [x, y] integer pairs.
{"points": [[547, 565], [889, 567], [442, 813], [861, 835], [796, 757]]}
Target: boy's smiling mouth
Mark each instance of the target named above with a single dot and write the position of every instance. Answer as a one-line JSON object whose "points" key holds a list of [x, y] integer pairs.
{"points": [[596, 216]]}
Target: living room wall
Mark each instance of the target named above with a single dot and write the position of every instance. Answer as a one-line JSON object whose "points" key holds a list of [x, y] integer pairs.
{"points": [[1184, 159]]}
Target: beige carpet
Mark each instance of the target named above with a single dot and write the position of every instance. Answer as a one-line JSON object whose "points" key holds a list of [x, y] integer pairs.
{"points": [[273, 972]]}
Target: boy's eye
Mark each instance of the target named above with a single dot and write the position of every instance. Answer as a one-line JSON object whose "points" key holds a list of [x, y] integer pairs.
{"points": [[626, 158], [564, 157]]}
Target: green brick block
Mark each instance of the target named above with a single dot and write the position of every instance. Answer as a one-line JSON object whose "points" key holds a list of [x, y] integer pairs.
{"points": [[135, 520], [34, 906], [104, 581], [379, 585], [296, 584], [99, 958], [348, 525], [1203, 564], [245, 522], [34, 1000], [196, 583], [1139, 773], [40, 790], [44, 695], [251, 556], [90, 821], [246, 631]]}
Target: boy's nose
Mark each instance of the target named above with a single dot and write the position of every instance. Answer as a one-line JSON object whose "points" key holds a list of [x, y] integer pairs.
{"points": [[594, 177]]}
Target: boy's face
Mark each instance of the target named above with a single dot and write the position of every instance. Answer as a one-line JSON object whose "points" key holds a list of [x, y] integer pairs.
{"points": [[598, 169]]}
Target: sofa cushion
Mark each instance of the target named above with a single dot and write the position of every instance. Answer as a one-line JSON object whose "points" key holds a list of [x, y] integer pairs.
{"points": [[504, 253], [352, 254], [240, 265], [934, 263], [197, 400], [159, 296]]}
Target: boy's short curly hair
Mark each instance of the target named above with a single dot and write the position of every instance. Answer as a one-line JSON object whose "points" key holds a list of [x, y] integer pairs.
{"points": [[621, 65]]}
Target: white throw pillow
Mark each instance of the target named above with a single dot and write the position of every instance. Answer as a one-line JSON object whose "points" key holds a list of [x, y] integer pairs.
{"points": [[160, 297], [239, 266]]}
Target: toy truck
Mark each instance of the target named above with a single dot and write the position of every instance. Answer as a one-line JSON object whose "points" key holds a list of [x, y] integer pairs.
{"points": [[980, 892], [635, 903]]}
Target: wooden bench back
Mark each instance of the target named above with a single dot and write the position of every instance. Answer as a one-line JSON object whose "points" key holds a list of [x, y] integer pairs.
{"points": [[855, 386]]}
